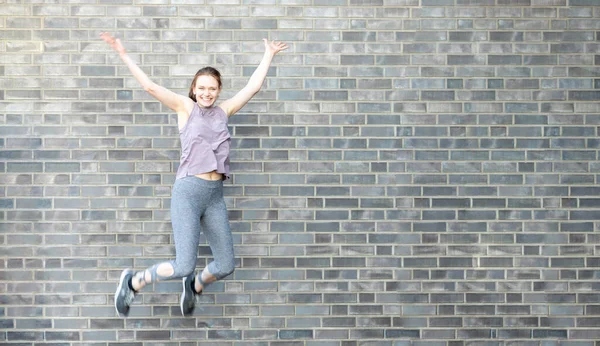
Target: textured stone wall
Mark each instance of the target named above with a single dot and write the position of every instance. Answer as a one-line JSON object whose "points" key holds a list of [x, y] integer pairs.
{"points": [[413, 172]]}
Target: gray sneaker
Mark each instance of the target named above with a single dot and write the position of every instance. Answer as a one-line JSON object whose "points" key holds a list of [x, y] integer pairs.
{"points": [[188, 296], [124, 295]]}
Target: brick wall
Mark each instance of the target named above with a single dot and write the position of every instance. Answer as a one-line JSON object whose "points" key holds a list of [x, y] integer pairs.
{"points": [[414, 172]]}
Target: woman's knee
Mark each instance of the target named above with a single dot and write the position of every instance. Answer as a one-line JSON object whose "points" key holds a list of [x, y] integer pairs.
{"points": [[183, 270], [227, 270], [222, 270]]}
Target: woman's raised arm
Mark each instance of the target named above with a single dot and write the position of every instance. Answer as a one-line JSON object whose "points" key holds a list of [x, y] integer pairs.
{"points": [[176, 102], [234, 104]]}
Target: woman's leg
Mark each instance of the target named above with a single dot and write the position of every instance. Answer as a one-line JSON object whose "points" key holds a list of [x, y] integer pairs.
{"points": [[188, 201], [215, 226]]}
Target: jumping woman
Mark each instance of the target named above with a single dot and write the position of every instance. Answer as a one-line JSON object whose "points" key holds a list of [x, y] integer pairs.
{"points": [[197, 202]]}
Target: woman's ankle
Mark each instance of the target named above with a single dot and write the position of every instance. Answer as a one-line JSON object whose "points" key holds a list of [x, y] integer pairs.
{"points": [[137, 281], [198, 283]]}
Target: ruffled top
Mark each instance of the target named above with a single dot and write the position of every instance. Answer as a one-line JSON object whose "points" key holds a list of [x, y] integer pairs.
{"points": [[205, 142]]}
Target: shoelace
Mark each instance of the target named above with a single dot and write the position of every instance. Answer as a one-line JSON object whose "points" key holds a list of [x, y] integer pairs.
{"points": [[129, 297]]}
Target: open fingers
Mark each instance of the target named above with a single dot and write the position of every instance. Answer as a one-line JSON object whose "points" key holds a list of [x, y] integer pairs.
{"points": [[278, 45]]}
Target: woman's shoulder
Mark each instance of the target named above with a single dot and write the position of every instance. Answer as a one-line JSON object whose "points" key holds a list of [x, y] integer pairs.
{"points": [[219, 109], [189, 106]]}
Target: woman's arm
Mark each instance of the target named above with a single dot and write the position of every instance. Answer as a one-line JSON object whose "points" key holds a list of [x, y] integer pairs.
{"points": [[234, 104], [170, 99]]}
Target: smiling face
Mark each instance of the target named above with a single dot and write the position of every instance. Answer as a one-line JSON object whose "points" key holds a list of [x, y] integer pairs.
{"points": [[206, 90]]}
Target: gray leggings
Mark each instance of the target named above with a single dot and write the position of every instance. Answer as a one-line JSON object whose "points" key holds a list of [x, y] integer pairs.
{"points": [[198, 205]]}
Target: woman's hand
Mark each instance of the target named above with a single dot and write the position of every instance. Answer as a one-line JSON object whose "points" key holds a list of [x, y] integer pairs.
{"points": [[115, 43], [274, 47]]}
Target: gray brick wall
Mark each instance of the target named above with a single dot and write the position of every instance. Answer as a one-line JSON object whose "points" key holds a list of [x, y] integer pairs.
{"points": [[414, 172]]}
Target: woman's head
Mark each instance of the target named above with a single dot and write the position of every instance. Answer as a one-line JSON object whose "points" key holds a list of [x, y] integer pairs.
{"points": [[206, 86]]}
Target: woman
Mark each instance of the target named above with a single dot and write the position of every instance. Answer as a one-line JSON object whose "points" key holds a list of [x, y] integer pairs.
{"points": [[197, 199]]}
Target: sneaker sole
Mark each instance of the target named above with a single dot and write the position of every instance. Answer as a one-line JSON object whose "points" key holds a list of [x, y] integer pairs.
{"points": [[182, 295], [187, 289], [123, 274]]}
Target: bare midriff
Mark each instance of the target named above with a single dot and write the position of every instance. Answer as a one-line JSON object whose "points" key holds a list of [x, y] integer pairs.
{"points": [[210, 176]]}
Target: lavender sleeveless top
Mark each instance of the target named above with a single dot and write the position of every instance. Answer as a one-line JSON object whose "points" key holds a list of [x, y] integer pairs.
{"points": [[205, 143]]}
